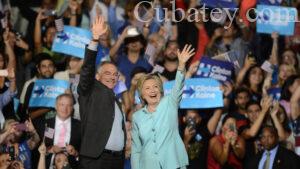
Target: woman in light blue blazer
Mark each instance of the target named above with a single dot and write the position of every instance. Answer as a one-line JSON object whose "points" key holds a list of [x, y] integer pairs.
{"points": [[156, 143]]}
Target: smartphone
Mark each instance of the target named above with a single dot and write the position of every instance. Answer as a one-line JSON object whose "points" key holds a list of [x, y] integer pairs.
{"points": [[251, 55], [49, 13], [3, 73], [12, 153], [21, 127]]}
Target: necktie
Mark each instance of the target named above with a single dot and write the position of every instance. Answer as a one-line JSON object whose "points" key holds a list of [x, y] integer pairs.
{"points": [[267, 162], [62, 135]]}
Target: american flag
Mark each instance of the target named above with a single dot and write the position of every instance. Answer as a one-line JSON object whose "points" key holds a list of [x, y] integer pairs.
{"points": [[49, 133]]}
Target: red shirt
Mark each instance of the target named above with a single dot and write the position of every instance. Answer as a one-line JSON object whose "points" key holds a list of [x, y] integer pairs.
{"points": [[232, 160]]}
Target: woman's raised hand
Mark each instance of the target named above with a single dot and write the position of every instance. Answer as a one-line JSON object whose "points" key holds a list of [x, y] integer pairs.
{"points": [[183, 56]]}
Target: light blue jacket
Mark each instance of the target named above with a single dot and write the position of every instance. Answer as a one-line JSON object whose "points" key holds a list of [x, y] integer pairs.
{"points": [[156, 143]]}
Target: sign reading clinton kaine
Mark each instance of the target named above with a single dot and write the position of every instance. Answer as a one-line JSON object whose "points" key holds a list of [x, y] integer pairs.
{"points": [[199, 93], [276, 19], [216, 69], [45, 91], [72, 41]]}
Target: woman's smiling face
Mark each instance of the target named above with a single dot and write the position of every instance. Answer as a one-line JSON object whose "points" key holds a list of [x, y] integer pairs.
{"points": [[151, 92]]}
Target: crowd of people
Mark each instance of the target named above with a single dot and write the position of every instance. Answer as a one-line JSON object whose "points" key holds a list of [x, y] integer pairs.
{"points": [[91, 126]]}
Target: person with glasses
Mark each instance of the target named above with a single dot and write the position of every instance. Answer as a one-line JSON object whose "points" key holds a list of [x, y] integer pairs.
{"points": [[103, 121]]}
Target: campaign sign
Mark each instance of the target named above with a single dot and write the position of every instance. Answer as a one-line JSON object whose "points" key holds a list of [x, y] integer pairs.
{"points": [[275, 93], [216, 69], [199, 93], [231, 4], [276, 19], [270, 2], [72, 41], [45, 91]]}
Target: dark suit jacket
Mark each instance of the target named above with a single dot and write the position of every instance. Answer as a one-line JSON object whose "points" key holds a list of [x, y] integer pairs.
{"points": [[97, 109], [75, 139], [284, 159]]}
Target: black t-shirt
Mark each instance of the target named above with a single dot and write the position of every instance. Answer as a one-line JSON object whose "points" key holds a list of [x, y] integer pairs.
{"points": [[198, 148]]}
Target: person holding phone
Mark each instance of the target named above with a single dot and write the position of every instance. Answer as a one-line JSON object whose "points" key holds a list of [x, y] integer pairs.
{"points": [[19, 146], [227, 149], [156, 142]]}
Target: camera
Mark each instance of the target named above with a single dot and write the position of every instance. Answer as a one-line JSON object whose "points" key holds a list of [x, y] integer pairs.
{"points": [[8, 150], [49, 13], [251, 55], [191, 123]]}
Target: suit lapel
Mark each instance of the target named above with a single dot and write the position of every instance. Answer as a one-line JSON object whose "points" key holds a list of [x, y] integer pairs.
{"points": [[277, 161]]}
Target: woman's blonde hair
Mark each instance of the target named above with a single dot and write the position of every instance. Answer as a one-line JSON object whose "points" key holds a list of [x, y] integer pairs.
{"points": [[146, 77], [290, 68]]}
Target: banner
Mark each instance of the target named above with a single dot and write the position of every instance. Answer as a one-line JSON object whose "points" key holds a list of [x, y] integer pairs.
{"points": [[220, 3], [270, 2], [199, 93], [45, 91], [276, 19], [72, 41], [216, 69], [275, 93]]}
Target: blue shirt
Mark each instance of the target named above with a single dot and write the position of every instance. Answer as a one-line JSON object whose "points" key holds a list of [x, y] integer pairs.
{"points": [[102, 54], [25, 154], [264, 157], [125, 66]]}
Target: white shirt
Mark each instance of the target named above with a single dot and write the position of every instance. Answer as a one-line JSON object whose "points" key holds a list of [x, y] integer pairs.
{"points": [[58, 127]]}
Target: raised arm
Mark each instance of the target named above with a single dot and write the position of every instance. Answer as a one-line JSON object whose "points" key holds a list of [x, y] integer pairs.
{"points": [[183, 57], [38, 32], [9, 50], [295, 109], [253, 130], [87, 75], [115, 48], [248, 63], [274, 55], [281, 131]]}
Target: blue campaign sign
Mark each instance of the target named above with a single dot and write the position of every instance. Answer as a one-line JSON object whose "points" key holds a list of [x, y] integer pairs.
{"points": [[199, 93], [45, 91], [216, 69], [270, 2], [231, 4], [276, 19], [72, 41], [275, 93]]}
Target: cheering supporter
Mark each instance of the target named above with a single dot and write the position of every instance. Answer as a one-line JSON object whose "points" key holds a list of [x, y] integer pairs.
{"points": [[288, 88], [71, 74], [225, 40], [60, 159], [46, 69], [295, 114], [132, 56], [252, 76], [227, 149], [19, 143], [8, 61], [65, 139]]}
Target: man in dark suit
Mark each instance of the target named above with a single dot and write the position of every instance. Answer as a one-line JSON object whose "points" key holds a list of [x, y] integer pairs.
{"points": [[103, 127], [62, 133], [274, 156]]}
